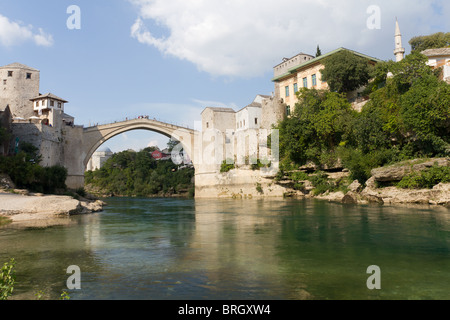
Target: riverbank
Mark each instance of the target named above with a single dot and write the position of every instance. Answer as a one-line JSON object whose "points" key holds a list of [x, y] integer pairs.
{"points": [[384, 185], [44, 209]]}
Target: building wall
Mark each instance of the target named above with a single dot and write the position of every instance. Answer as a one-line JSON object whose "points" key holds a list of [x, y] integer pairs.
{"points": [[287, 64], [297, 78], [272, 112], [47, 139], [98, 159], [16, 91]]}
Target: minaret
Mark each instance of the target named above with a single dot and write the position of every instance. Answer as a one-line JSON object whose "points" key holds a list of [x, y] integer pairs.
{"points": [[399, 51]]}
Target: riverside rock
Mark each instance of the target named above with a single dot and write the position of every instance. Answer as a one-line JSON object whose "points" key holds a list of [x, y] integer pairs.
{"points": [[30, 207], [397, 172]]}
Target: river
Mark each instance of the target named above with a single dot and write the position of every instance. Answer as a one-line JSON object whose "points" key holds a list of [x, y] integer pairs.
{"points": [[188, 249]]}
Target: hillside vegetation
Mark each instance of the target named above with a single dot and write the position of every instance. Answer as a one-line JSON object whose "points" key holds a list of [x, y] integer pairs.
{"points": [[131, 173], [407, 117]]}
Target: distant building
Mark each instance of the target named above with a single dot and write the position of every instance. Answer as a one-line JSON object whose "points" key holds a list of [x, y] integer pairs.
{"points": [[99, 158], [306, 74], [439, 58], [161, 155]]}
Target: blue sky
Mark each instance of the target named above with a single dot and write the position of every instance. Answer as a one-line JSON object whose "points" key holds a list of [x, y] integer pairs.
{"points": [[170, 59]]}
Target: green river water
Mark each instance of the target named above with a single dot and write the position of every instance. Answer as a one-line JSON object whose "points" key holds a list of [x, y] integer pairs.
{"points": [[166, 249]]}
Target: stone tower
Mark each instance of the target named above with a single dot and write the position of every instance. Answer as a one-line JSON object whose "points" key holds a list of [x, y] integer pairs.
{"points": [[399, 51], [19, 83]]}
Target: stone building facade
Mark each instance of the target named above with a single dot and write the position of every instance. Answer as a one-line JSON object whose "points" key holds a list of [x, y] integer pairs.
{"points": [[307, 75], [19, 84]]}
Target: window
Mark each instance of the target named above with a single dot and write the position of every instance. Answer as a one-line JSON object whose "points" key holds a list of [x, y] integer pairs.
{"points": [[295, 87], [28, 75], [256, 120], [59, 105], [52, 103], [244, 123], [305, 82], [207, 125], [314, 80], [287, 91], [288, 110], [10, 73], [4, 82]]}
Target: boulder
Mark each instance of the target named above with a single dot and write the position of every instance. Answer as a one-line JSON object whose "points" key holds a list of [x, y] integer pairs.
{"points": [[6, 182], [397, 172], [350, 198], [355, 186]]}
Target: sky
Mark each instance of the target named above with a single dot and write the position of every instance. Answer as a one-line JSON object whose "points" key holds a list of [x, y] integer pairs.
{"points": [[169, 59]]}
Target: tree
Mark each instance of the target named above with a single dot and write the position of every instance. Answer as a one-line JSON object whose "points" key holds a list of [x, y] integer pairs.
{"points": [[320, 122], [432, 41], [318, 52], [345, 71]]}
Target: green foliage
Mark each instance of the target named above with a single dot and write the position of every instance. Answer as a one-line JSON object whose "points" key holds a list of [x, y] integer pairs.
{"points": [[320, 122], [345, 72], [130, 173], [321, 183], [259, 188], [407, 116], [227, 165], [7, 279], [318, 52], [432, 41], [361, 163], [25, 173], [64, 296], [426, 178], [298, 176], [39, 295]]}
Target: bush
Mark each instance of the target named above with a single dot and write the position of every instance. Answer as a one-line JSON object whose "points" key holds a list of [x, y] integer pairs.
{"points": [[225, 167], [425, 179], [7, 280]]}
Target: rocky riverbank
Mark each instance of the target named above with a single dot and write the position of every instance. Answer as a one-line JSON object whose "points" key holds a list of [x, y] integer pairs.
{"points": [[381, 189], [43, 209]]}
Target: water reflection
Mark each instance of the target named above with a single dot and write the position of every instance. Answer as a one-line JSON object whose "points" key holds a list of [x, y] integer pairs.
{"points": [[236, 249]]}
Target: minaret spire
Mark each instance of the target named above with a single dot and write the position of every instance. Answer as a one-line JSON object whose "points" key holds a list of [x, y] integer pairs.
{"points": [[399, 51]]}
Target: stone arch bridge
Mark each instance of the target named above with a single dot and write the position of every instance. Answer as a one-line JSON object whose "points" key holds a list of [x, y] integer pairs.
{"points": [[81, 146]]}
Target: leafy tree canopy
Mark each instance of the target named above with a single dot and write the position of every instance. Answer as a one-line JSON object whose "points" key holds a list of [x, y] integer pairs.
{"points": [[432, 41], [345, 71]]}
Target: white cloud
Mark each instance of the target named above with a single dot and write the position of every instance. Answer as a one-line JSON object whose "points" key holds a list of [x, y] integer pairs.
{"points": [[247, 38], [14, 33]]}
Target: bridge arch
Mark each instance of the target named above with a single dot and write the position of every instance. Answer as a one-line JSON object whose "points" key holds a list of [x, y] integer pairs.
{"points": [[94, 137]]}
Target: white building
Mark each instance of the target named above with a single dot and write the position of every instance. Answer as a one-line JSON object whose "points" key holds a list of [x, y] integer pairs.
{"points": [[439, 58], [99, 158]]}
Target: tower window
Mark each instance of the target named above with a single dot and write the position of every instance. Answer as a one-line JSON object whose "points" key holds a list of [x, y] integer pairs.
{"points": [[256, 120], [10, 73], [52, 103], [28, 75]]}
